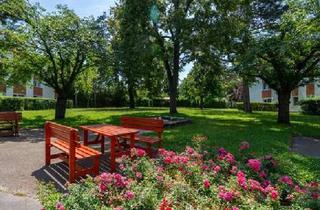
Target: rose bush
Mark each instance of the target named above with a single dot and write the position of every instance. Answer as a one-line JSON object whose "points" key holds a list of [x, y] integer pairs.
{"points": [[189, 180]]}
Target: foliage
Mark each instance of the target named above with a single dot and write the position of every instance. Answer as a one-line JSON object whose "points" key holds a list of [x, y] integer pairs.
{"points": [[208, 180], [311, 105], [284, 48], [55, 47], [256, 106], [201, 84], [18, 104]]}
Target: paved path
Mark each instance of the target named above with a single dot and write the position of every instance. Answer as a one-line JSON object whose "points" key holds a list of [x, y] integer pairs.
{"points": [[12, 202], [306, 146]]}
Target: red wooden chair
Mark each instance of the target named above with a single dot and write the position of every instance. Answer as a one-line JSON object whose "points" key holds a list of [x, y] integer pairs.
{"points": [[67, 140], [9, 123]]}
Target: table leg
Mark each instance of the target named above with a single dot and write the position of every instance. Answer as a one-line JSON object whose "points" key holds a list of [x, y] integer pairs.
{"points": [[85, 137], [113, 153], [102, 144], [132, 140]]}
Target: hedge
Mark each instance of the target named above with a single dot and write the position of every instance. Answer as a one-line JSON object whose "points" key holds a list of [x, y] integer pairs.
{"points": [[8, 103], [311, 106], [180, 103], [257, 106]]}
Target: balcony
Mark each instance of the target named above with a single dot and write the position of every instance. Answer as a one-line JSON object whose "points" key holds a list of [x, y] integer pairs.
{"points": [[266, 93], [37, 92], [310, 90], [19, 90]]}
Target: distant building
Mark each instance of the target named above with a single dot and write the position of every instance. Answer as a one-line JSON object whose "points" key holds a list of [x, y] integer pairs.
{"points": [[36, 89], [261, 92]]}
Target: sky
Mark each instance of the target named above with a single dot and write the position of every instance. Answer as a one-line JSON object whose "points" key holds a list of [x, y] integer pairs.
{"points": [[85, 8]]}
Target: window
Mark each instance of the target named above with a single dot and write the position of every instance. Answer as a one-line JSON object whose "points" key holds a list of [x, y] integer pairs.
{"points": [[267, 100]]}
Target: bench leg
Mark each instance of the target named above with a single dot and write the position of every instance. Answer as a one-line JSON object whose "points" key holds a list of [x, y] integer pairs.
{"points": [[149, 150], [102, 144], [113, 154], [48, 154], [72, 169], [96, 166]]}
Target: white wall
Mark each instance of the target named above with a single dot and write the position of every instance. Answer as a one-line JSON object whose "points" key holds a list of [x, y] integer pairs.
{"points": [[255, 91], [47, 92]]}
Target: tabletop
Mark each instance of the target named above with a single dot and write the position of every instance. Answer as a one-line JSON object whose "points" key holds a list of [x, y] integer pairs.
{"points": [[109, 130]]}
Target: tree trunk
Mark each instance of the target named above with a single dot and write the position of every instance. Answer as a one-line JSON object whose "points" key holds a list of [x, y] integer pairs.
{"points": [[201, 102], [173, 97], [131, 96], [61, 107], [284, 106], [246, 97]]}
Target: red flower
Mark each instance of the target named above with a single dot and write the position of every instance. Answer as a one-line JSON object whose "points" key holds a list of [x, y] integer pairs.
{"points": [[206, 183], [129, 195], [244, 145], [286, 180], [254, 164], [274, 194]]}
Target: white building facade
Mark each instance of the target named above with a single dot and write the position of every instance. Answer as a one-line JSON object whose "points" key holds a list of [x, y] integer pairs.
{"points": [[261, 92], [32, 89]]}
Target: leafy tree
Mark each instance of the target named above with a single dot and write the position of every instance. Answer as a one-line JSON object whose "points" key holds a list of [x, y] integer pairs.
{"points": [[285, 51], [57, 47], [172, 27]]}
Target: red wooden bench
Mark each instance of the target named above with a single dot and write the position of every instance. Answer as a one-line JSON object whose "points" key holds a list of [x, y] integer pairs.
{"points": [[9, 123], [67, 140], [147, 124]]}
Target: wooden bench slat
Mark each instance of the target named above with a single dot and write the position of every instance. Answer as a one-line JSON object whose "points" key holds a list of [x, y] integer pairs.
{"points": [[66, 139]]}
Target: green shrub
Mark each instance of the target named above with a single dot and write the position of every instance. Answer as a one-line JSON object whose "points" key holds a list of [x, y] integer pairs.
{"points": [[257, 106], [216, 179], [19, 103], [311, 106]]}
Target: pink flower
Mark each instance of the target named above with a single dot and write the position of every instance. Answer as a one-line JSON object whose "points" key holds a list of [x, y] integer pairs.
{"points": [[189, 150], [234, 170], [265, 183], [286, 180], [118, 208], [59, 206], [241, 178], [168, 160], [235, 208], [227, 196], [244, 145], [121, 166], [129, 195], [254, 185], [140, 152], [262, 175], [160, 178], [102, 187], [222, 152], [217, 168], [139, 175], [274, 195], [230, 158], [254, 164], [206, 184], [315, 196]]}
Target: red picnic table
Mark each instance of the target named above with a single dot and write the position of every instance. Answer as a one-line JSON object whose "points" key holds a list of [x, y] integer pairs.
{"points": [[112, 132]]}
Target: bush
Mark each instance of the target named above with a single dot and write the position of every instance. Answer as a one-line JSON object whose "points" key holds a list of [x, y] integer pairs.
{"points": [[189, 180], [311, 106], [19, 103], [257, 106]]}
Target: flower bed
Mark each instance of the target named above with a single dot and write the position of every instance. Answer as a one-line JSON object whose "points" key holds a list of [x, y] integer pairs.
{"points": [[189, 180]]}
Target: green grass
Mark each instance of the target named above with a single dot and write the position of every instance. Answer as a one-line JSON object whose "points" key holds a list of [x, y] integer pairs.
{"points": [[224, 128]]}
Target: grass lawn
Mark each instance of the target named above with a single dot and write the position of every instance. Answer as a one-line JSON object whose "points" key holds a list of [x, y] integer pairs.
{"points": [[224, 128]]}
